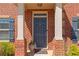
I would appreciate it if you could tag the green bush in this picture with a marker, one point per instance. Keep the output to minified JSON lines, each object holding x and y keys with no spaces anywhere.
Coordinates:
{"x":7,"y":49}
{"x":73,"y":51}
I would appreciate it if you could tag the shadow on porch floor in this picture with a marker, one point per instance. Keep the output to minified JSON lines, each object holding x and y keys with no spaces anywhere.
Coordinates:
{"x":41,"y":52}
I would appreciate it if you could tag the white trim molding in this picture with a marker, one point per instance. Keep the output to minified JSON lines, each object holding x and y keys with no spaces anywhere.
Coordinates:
{"x":58,"y":22}
{"x":4,"y":40}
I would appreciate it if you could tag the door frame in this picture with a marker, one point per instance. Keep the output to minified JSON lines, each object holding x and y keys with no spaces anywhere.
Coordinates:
{"x":39,"y":12}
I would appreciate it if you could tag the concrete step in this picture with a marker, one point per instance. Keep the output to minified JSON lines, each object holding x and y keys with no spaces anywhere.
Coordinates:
{"x":41,"y":55}
{"x":44,"y":52}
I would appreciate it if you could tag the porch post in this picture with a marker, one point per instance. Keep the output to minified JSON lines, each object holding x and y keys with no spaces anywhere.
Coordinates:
{"x":20,"y":22}
{"x":58,"y":22}
{"x":19,"y":42}
{"x":58,"y":40}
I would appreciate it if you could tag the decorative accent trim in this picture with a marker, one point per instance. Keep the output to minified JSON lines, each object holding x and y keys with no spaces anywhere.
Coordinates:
{"x":4,"y":16}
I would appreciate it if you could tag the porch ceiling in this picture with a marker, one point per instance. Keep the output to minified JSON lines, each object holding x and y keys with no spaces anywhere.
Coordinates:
{"x":39,"y":6}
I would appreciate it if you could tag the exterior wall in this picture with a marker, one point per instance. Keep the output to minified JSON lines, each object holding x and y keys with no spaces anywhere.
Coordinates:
{"x":10,"y":10}
{"x":51,"y":27}
{"x":19,"y":48}
{"x":58,"y":48}
{"x":28,"y":26}
{"x":70,"y":11}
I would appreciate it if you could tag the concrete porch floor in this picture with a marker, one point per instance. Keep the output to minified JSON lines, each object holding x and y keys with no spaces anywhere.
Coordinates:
{"x":42,"y":52}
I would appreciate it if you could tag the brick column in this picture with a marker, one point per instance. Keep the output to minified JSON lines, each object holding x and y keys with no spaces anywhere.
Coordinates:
{"x":19,"y":42}
{"x":58,"y":40}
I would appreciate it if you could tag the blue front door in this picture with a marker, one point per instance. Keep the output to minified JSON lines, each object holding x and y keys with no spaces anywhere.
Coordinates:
{"x":40,"y":32}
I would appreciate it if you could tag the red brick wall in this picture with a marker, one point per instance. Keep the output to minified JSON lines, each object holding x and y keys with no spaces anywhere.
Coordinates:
{"x":19,"y":48}
{"x":28,"y":27}
{"x":51,"y":28}
{"x":10,"y":10}
{"x":28,"y":31}
{"x":58,"y":48}
{"x":70,"y":11}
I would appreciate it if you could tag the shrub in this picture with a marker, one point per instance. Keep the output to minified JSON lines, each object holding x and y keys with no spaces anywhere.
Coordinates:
{"x":7,"y":49}
{"x":73,"y":51}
